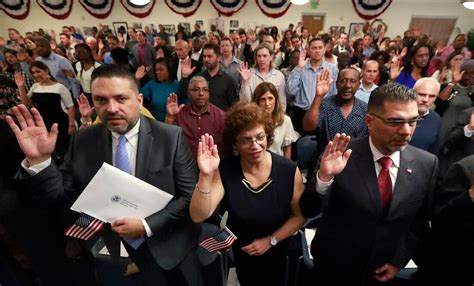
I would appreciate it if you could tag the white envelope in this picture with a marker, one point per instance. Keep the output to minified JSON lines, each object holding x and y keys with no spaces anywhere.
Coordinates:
{"x":113,"y":194}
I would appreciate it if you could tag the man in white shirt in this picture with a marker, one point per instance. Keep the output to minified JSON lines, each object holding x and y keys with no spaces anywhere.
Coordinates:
{"x":374,"y":193}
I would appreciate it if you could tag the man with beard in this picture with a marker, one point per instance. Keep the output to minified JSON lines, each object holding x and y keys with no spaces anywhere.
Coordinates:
{"x":374,"y":193}
{"x":222,"y":89}
{"x":340,"y":113}
{"x":426,"y":136}
{"x":199,"y":117}
{"x":162,"y":245}
{"x":301,"y":83}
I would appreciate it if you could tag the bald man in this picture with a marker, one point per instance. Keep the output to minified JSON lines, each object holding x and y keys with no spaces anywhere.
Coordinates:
{"x":181,"y":56}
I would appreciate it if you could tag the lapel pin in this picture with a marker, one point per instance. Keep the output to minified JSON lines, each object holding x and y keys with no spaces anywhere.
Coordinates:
{"x":409,"y":171}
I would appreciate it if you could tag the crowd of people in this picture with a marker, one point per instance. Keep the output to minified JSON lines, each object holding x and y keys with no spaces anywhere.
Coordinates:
{"x":214,"y":120}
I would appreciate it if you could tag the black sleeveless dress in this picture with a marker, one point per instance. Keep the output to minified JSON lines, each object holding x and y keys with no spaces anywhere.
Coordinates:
{"x":49,"y":106}
{"x":253,"y":216}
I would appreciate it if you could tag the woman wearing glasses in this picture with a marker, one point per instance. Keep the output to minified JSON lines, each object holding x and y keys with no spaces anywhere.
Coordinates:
{"x":260,"y":190}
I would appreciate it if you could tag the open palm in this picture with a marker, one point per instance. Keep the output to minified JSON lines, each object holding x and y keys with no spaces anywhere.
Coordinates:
{"x":34,"y":139}
{"x":324,"y":83}
{"x":335,"y":157}
{"x":244,"y":71}
{"x":208,"y":156}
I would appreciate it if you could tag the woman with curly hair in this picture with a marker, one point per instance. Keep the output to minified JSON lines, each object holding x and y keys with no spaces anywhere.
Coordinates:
{"x":259,"y":189}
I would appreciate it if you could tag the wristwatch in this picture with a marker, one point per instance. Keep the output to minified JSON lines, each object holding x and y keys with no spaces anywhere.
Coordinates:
{"x":273,"y":240}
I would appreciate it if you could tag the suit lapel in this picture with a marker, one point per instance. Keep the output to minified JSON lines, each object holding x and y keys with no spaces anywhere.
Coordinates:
{"x":366,"y":168}
{"x":145,"y":142}
{"x":402,"y":190}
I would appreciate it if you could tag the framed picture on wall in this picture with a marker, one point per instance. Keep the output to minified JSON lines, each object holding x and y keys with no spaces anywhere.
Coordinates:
{"x":335,"y":31}
{"x":170,"y":29}
{"x":234,"y":23}
{"x":186,"y":27}
{"x":120,"y":28}
{"x":355,"y":30}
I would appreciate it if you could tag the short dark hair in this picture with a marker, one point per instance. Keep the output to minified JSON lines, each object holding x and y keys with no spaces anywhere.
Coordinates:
{"x":114,"y":70}
{"x":314,"y":40}
{"x":389,"y":92}
{"x":214,"y":47}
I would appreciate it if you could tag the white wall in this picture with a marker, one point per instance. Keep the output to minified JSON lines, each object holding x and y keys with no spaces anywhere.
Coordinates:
{"x":337,"y":12}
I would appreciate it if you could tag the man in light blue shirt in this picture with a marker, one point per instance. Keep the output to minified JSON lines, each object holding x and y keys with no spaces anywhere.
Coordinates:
{"x":301,"y":84}
{"x":59,"y":67}
{"x":370,"y":71}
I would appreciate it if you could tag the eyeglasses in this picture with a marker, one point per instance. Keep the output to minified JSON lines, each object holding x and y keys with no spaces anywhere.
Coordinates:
{"x":248,"y":141}
{"x":197,"y":89}
{"x":397,"y":123}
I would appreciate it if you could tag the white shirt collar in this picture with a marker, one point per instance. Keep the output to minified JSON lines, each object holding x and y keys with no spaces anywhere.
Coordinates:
{"x":376,"y":154}
{"x":131,"y":135}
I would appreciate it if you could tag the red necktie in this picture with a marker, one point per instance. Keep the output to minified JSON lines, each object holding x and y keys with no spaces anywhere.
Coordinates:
{"x":384,"y":181}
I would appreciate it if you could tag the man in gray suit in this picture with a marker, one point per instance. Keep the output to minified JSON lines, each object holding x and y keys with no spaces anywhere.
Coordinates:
{"x":143,"y":54}
{"x":374,"y":195}
{"x":157,"y":153}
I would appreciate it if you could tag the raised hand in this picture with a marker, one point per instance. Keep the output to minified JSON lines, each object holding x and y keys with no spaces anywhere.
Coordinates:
{"x":443,"y":74}
{"x":160,"y":54}
{"x":335,"y":157}
{"x":302,"y":60}
{"x":207,"y":157}
{"x":19,"y":79}
{"x":172,"y":107}
{"x":457,"y":73}
{"x":244,"y":71}
{"x":101,"y":45}
{"x":395,"y":69}
{"x":2,"y":42}
{"x":140,"y":73}
{"x":186,"y":68}
{"x":324,"y":82}
{"x":34,"y":139}
{"x":85,"y":108}
{"x":69,"y":73}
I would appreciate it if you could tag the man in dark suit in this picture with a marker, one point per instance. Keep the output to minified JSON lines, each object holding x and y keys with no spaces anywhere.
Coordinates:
{"x":143,"y":54}
{"x":374,"y":194}
{"x":158,"y":154}
{"x":181,"y":60}
{"x":448,"y":254}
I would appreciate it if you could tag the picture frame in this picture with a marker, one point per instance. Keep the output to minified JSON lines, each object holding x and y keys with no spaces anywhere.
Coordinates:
{"x":234,"y":24}
{"x":335,"y":31}
{"x":88,"y":31}
{"x":200,"y":23}
{"x":137,"y":26}
{"x":118,"y":25}
{"x":186,"y":26}
{"x":355,"y":30}
{"x":170,"y":29}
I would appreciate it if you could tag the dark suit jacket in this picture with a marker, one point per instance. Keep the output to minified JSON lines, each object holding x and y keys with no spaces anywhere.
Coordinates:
{"x":452,"y":233}
{"x":355,"y":236}
{"x":194,"y":63}
{"x":457,"y":145}
{"x":163,"y":159}
{"x":150,"y":57}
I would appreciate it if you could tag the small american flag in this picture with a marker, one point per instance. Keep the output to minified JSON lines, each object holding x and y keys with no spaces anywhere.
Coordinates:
{"x":84,"y":227}
{"x":221,"y":240}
